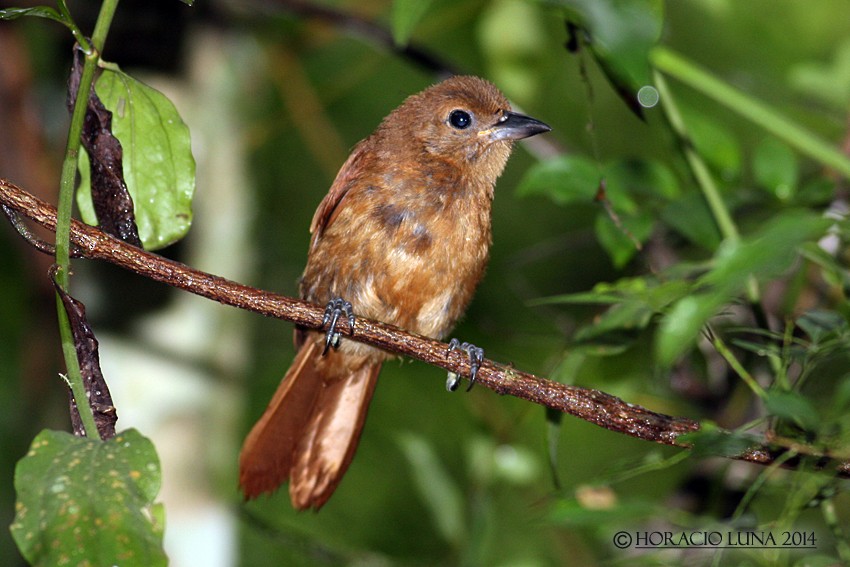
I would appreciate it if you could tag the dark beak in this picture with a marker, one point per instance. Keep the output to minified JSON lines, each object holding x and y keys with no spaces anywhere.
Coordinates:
{"x":515,"y":126}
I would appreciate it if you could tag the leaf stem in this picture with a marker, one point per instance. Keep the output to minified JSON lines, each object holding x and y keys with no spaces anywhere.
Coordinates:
{"x":69,"y":22}
{"x":736,"y":365}
{"x":699,"y":168}
{"x":703,"y":176}
{"x":63,"y":226}
{"x":104,"y":21}
{"x":65,"y":205}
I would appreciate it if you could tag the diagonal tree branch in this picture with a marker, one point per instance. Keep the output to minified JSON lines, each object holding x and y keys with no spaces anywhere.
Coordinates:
{"x":591,"y":405}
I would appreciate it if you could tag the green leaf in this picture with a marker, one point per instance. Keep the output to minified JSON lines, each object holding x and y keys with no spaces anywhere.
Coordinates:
{"x":793,"y":407}
{"x":581,"y":298}
{"x":818,"y":191}
{"x":627,"y":316}
{"x":572,"y":513}
{"x":158,"y":165}
{"x":711,"y":440}
{"x":817,"y":560}
{"x":841,"y":397}
{"x":640,"y":178}
{"x":438,"y":492}
{"x":832,"y":271}
{"x":633,"y":304}
{"x":36,"y":11}
{"x":615,"y":330}
{"x":406,"y":14}
{"x":490,"y":461}
{"x":622,"y":242}
{"x":776,"y":168}
{"x":657,"y":295}
{"x":829,"y":83}
{"x":714,"y":142}
{"x":89,"y":502}
{"x":565,"y":180}
{"x":690,"y":217}
{"x":765,"y":255}
{"x":821,"y":325}
{"x":679,"y":328}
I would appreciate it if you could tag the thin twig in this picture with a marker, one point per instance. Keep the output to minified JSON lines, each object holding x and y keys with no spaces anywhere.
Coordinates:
{"x":32,"y":238}
{"x":591,"y":405}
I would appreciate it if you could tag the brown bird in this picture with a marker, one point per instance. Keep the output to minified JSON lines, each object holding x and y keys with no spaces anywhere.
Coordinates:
{"x":404,"y":236}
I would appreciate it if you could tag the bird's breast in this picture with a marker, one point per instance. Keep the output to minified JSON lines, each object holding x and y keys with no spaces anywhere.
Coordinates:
{"x":408,"y":257}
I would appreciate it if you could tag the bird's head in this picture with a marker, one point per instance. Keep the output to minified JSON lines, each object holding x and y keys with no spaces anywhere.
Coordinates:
{"x":464,"y":121}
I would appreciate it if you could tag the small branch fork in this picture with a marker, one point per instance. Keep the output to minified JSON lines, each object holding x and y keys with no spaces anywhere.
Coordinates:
{"x":591,"y":405}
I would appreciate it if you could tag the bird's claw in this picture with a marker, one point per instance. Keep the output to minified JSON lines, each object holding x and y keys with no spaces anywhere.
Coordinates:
{"x":476,"y":357}
{"x":336,"y":307}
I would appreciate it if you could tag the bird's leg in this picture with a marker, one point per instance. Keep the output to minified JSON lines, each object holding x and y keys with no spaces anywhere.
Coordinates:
{"x":335,"y":308}
{"x":476,"y":357}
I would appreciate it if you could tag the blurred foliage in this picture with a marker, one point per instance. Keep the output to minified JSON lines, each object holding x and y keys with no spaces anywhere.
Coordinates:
{"x":610,"y":269}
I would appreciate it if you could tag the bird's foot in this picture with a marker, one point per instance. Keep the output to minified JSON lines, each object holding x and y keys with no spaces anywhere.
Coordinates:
{"x":476,"y":357}
{"x":335,"y":309}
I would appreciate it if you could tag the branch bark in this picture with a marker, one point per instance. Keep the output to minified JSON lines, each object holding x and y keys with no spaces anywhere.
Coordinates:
{"x":591,"y":405}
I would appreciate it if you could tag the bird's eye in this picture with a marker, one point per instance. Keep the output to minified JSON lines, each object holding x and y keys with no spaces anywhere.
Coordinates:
{"x":460,"y":119}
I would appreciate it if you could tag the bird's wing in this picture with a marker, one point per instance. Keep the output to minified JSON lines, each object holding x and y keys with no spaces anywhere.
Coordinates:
{"x":350,"y":171}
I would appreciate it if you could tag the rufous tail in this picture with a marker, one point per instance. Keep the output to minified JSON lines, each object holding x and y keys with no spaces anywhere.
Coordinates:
{"x":310,"y":430}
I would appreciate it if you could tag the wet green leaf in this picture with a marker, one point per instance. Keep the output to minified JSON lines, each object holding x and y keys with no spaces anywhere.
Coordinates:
{"x":159,"y":169}
{"x":89,"y":502}
{"x":36,"y":11}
